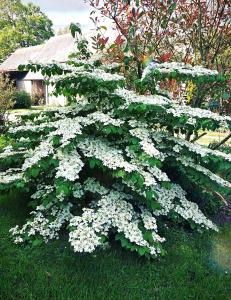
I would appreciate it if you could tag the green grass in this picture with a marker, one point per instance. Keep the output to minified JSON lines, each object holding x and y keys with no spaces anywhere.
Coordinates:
{"x":23,"y":111}
{"x":192,"y":268}
{"x":213,"y":137}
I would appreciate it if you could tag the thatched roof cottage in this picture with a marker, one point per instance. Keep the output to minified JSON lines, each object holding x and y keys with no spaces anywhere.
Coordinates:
{"x":55,"y":49}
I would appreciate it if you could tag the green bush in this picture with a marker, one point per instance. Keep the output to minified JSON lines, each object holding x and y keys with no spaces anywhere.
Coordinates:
{"x":23,"y":100}
{"x":3,"y":142}
{"x":113,"y":163}
{"x":7,"y":92}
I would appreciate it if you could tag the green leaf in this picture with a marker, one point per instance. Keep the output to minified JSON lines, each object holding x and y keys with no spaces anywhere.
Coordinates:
{"x":37,"y":242}
{"x":142,"y":251}
{"x":226,"y":96}
{"x":34,"y":172}
{"x":149,"y":195}
{"x":75,"y":28}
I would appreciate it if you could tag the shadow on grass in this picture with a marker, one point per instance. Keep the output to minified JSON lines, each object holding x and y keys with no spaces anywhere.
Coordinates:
{"x":53,"y":271}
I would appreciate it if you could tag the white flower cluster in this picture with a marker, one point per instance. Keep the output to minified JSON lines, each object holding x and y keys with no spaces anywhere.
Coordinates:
{"x":143,"y":165}
{"x":182,"y":68}
{"x":75,"y":62}
{"x":42,"y":191}
{"x":131,"y":97}
{"x":175,"y":109}
{"x":149,"y":179}
{"x":146,"y":143}
{"x":198,"y":149}
{"x":133,"y":123}
{"x":111,"y":211}
{"x":113,"y":158}
{"x":70,"y":164}
{"x":189,"y":163}
{"x":190,"y":210}
{"x":160,"y":175}
{"x":40,"y":118}
{"x":43,"y":150}
{"x":93,"y":186}
{"x":10,"y":176}
{"x":9,"y":151}
{"x":148,"y":219}
{"x":42,"y":225}
{"x":93,"y":74}
{"x":77,"y":190}
{"x":105,"y":119}
{"x":58,"y":121}
{"x":29,"y":126}
{"x":67,"y":128}
{"x":100,"y":74}
{"x":24,"y":140}
{"x":197,"y":113}
{"x":73,"y":109}
{"x":109,"y":67}
{"x":175,"y":199}
{"x":109,"y":155}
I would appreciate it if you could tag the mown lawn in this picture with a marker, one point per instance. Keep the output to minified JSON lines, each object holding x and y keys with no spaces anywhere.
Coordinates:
{"x":196,"y":267}
{"x":214,"y":137}
{"x":21,"y":111}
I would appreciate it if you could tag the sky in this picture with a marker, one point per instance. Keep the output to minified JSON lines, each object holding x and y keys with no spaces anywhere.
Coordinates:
{"x":63,"y":12}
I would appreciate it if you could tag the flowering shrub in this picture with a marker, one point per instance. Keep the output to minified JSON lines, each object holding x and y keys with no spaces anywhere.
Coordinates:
{"x":199,"y":84}
{"x":111,"y":164}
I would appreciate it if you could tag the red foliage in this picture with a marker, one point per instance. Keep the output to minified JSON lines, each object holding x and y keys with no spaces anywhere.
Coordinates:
{"x":195,"y":31}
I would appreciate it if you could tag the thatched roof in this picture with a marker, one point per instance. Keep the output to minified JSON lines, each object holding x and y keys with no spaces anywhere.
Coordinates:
{"x":55,"y":49}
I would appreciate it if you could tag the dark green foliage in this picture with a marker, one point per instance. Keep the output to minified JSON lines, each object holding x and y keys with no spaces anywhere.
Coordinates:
{"x":3,"y":142}
{"x":175,"y":74}
{"x":22,"y":100}
{"x":7,"y":97}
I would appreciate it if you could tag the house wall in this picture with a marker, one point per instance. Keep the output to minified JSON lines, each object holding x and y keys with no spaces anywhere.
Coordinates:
{"x":24,"y":85}
{"x":51,"y":100}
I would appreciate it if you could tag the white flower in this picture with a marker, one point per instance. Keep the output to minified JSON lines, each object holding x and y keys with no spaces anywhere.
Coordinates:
{"x":111,"y":211}
{"x":70,"y":164}
{"x":181,"y":68}
{"x":10,"y":176}
{"x":109,"y":155}
{"x":43,"y":226}
{"x":130,"y":97}
{"x":68,"y":129}
{"x":43,"y":150}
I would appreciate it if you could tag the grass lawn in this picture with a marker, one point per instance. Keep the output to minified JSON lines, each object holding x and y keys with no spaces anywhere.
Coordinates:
{"x":28,"y":110}
{"x":212,"y":137}
{"x":196,"y":267}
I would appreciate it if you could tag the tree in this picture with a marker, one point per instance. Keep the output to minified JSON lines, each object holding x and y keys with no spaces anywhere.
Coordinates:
{"x":22,"y":26}
{"x":142,"y":26}
{"x":192,"y":31}
{"x":113,"y":163}
{"x":7,"y":97}
{"x":203,"y":30}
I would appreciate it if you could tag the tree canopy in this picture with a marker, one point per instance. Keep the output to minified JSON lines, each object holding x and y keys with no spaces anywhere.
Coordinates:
{"x":192,"y":31}
{"x":22,"y":26}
